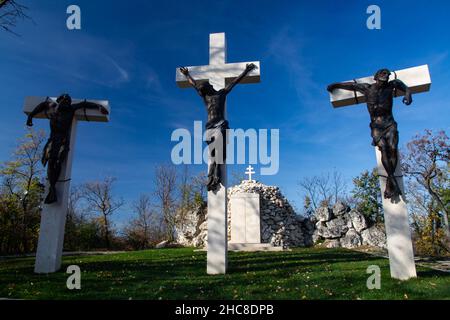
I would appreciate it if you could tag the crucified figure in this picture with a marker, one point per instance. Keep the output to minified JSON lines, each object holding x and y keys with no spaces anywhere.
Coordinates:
{"x":217,"y":124}
{"x":379,"y":97}
{"x":57,"y":147}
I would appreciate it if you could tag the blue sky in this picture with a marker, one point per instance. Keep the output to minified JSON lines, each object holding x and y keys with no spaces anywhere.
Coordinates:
{"x":127,"y":53}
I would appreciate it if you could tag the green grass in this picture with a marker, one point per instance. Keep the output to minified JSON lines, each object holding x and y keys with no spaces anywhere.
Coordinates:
{"x":303,"y":273}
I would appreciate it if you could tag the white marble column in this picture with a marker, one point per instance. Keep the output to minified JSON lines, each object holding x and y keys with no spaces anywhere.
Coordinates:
{"x":398,"y":232}
{"x":217,"y":254}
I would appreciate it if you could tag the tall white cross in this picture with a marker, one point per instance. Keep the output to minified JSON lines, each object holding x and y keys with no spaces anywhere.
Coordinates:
{"x":219,"y":73}
{"x":53,"y":216}
{"x":398,"y":233}
{"x":249,"y":172}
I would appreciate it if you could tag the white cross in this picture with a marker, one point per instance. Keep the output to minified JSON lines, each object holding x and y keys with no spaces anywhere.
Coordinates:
{"x":219,"y":73}
{"x":53,"y":216}
{"x":398,"y":233}
{"x":249,"y":172}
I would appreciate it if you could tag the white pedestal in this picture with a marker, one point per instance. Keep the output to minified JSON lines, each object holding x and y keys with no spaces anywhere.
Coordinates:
{"x":53,"y":218}
{"x":398,"y":232}
{"x":217,"y":228}
{"x":245,"y":218}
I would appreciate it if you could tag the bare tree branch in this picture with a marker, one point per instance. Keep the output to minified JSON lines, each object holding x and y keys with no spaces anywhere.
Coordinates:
{"x":10,"y":13}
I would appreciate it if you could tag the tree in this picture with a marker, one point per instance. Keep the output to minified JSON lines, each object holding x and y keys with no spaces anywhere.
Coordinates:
{"x":10,"y":12}
{"x":21,"y":194}
{"x":100,"y":199}
{"x":75,"y":219}
{"x":165,"y":182}
{"x":307,"y":207}
{"x":199,"y":187}
{"x":367,"y":194}
{"x":325,"y":189}
{"x":192,"y":190}
{"x":143,"y":231}
{"x":146,"y":229}
{"x":427,"y":161}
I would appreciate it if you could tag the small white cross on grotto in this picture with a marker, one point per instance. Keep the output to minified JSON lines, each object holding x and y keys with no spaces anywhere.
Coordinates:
{"x":249,"y":172}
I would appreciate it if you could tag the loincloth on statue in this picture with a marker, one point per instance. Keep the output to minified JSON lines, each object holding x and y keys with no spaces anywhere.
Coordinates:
{"x":385,"y":130}
{"x":216,"y":129}
{"x":56,"y":148}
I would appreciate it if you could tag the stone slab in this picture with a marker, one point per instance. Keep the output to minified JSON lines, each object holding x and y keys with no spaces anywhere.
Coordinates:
{"x":245,"y":218}
{"x":253,"y":247}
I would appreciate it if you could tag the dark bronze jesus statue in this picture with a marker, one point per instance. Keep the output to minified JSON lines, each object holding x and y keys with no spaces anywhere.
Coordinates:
{"x":57,"y":147}
{"x":379,"y":97}
{"x":217,"y":124}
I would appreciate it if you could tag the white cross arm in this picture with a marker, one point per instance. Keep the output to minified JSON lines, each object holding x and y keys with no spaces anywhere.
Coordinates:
{"x":228,"y":71}
{"x":82,"y":115}
{"x":417,"y":79}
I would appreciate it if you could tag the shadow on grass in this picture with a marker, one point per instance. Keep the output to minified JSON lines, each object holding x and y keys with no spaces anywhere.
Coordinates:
{"x":181,"y":274}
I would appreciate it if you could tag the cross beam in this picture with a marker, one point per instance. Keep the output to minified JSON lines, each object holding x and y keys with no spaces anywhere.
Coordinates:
{"x":53,"y":216}
{"x":417,"y":79}
{"x":81,"y":115}
{"x":218,"y":73}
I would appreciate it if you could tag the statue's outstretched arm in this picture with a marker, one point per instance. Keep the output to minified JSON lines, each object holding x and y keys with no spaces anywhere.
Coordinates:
{"x":90,"y":105}
{"x":186,"y":73}
{"x":231,"y":85}
{"x":351,"y":86}
{"x":38,"y":109}
{"x":399,"y":84}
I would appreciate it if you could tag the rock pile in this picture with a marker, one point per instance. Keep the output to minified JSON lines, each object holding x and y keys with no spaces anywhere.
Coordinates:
{"x":281,"y":226}
{"x":341,"y":227}
{"x":192,"y":229}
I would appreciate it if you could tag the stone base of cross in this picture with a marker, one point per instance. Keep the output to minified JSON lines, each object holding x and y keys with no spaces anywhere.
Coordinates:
{"x":398,"y":233}
{"x":218,"y":73}
{"x":53,"y":216}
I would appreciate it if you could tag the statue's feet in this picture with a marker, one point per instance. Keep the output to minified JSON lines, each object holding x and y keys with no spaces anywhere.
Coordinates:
{"x":388,"y":192}
{"x":392,"y":189}
{"x":51,"y":196}
{"x":213,"y":183}
{"x":398,"y":191}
